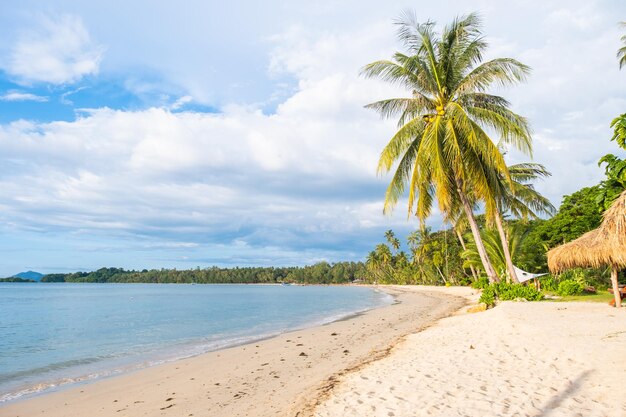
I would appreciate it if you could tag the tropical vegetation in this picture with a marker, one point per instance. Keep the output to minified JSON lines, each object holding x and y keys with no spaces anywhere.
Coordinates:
{"x":320,"y":273}
{"x":442,"y":150}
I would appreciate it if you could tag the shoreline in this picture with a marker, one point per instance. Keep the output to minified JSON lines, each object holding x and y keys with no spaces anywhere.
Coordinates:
{"x":324,"y":351}
{"x":118,"y":366}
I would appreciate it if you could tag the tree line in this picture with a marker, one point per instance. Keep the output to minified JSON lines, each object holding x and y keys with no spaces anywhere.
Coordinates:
{"x":319,"y":273}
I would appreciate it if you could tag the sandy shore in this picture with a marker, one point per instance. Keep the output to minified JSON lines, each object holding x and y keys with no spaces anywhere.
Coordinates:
{"x":519,"y":359}
{"x":281,"y":376}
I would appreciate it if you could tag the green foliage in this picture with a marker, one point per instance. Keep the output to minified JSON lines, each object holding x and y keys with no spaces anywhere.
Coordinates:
{"x":615,"y":170}
{"x":481,"y":283}
{"x":488,"y":296}
{"x":432,"y":259}
{"x":320,"y":273}
{"x":549,"y":283}
{"x":16,"y":279}
{"x":504,"y":291}
{"x":507,"y":291}
{"x":442,"y":150}
{"x":619,"y":130}
{"x":570,"y":287}
{"x":493,"y":246}
{"x":522,"y":200}
{"x":578,"y":214}
{"x":585,"y":277}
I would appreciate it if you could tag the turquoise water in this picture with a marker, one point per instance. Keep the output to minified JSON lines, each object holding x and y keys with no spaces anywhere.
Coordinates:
{"x":55,"y":334}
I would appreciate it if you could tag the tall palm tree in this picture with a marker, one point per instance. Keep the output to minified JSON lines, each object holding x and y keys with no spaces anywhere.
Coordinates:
{"x":441,"y":146}
{"x":520,"y":199}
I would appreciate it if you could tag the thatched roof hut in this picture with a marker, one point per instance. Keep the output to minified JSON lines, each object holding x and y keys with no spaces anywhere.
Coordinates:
{"x":604,"y":246}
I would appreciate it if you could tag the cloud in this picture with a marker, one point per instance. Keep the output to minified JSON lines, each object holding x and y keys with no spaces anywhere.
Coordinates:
{"x":180,"y":102}
{"x":291,"y":187}
{"x":58,"y":50}
{"x":244,"y":186}
{"x":21,"y":96}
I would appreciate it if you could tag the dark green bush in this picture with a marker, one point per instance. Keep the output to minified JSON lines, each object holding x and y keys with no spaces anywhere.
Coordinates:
{"x":570,"y":287}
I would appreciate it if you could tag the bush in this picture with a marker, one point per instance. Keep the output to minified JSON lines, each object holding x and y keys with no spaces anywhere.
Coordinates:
{"x":515,"y":291}
{"x":504,"y":291}
{"x":570,"y":287}
{"x":481,"y":283}
{"x":488,"y":296}
{"x":549,"y":283}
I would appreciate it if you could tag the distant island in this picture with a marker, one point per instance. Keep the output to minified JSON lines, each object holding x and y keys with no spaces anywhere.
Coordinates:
{"x":28,"y":276}
{"x":319,"y":273}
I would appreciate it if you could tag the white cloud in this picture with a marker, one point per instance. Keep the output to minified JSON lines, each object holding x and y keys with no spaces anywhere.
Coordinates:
{"x":21,"y":96}
{"x":299,"y":184}
{"x":58,"y":50}
{"x":303,"y":174}
{"x":180,"y":102}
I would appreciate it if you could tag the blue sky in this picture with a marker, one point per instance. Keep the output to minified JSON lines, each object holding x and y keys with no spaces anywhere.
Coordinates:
{"x":149,"y":134}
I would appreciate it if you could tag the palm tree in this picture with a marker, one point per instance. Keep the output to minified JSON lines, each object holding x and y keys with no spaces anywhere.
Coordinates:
{"x":494,"y":247}
{"x":459,"y":225}
{"x":621,"y":52}
{"x":441,"y":146}
{"x":520,"y":199}
{"x":392,"y":239}
{"x":418,"y":241}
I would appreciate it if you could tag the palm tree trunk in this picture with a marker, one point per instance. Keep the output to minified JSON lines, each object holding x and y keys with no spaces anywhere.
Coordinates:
{"x":616,"y":294}
{"x":462,"y":242}
{"x":443,"y":277}
{"x":484,"y":258}
{"x":505,"y":248}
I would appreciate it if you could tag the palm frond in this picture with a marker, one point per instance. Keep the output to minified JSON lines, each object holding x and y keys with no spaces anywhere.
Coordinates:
{"x":403,"y":108}
{"x":400,"y":142}
{"x":501,"y":71}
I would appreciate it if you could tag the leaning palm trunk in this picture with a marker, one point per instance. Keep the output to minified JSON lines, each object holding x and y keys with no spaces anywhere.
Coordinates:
{"x":505,"y":248}
{"x":462,"y":242}
{"x":484,"y":258}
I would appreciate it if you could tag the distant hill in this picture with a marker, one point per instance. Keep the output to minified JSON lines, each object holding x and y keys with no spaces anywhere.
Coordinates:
{"x":35,"y":276}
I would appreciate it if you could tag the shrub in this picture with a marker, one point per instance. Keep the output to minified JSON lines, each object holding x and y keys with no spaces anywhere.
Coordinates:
{"x":506,"y":291}
{"x":570,"y":287}
{"x":515,"y":291}
{"x":488,"y":296}
{"x":549,"y":283}
{"x":481,"y":283}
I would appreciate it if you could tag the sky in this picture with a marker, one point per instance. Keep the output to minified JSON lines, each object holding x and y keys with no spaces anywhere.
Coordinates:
{"x":159,"y":134}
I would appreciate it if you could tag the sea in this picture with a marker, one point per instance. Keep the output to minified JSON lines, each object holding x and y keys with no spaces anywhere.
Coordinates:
{"x":56,"y":334}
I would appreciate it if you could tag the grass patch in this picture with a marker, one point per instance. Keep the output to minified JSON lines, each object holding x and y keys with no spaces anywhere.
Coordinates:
{"x":600,"y":297}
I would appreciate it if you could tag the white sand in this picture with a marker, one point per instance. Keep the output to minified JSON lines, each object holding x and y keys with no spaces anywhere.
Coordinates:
{"x":519,"y":359}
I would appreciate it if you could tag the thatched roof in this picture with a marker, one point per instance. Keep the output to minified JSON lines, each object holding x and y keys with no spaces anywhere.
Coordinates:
{"x":604,"y":246}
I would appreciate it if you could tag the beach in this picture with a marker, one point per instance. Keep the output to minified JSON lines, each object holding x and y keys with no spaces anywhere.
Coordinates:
{"x":423,"y":356}
{"x":274,"y":377}
{"x":518,"y":359}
